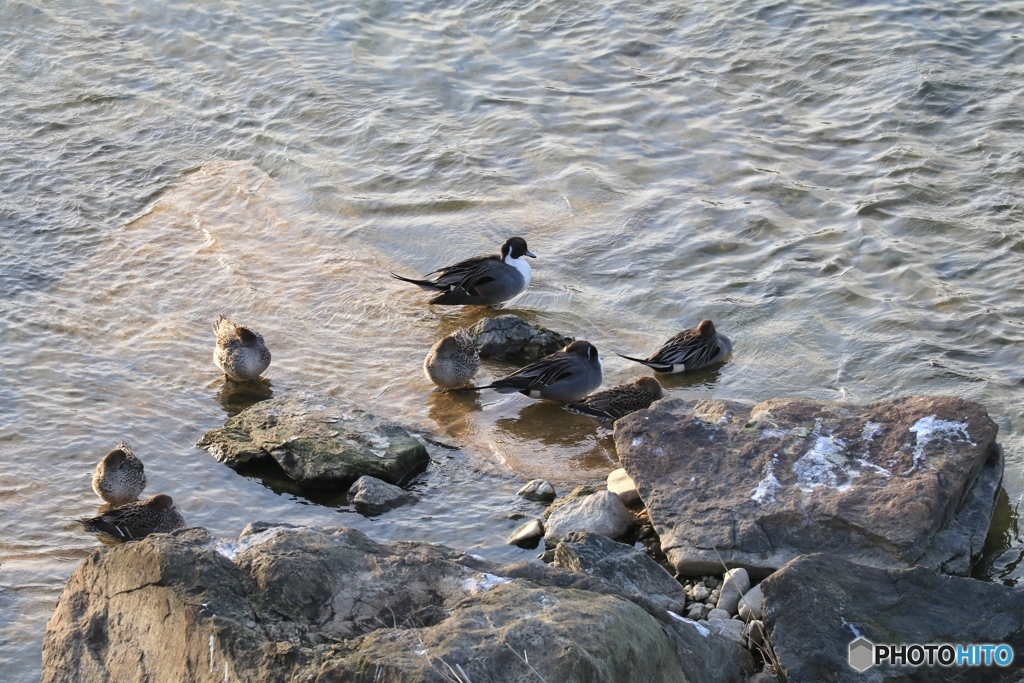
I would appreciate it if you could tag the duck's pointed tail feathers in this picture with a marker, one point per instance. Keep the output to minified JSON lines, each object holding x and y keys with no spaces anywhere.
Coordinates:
{"x":424,"y":284}
{"x":657,"y":367}
{"x":584,"y":409}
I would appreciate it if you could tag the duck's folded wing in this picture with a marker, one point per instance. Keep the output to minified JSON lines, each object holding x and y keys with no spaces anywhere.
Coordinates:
{"x":468,"y":275}
{"x":601,"y":405}
{"x":543,"y":373}
{"x":686,"y":349}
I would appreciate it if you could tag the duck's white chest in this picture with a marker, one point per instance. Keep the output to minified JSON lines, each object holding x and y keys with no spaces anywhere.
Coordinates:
{"x":520,"y":265}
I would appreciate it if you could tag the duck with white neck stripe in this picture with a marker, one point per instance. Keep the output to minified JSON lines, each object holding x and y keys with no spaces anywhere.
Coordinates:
{"x":481,"y":281}
{"x":564,"y":377}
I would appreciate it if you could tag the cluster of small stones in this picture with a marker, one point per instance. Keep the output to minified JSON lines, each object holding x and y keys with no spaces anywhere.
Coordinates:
{"x":726,"y":604}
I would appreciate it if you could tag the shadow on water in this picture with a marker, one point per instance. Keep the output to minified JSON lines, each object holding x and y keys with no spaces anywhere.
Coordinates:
{"x":1002,"y":558}
{"x":548,"y":424}
{"x":544,"y":433}
{"x":270,"y":475}
{"x":234,"y":397}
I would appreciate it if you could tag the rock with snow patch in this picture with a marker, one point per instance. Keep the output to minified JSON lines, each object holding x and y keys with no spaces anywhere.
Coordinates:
{"x":891,"y":484}
{"x":319,"y":441}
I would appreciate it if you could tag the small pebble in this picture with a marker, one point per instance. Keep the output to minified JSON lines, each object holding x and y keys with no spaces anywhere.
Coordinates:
{"x":697,"y":611}
{"x":622,"y":485}
{"x":701,"y":592}
{"x":755,"y":634}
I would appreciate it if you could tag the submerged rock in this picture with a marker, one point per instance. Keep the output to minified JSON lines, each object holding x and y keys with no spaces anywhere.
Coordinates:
{"x":509,"y":336}
{"x":531,"y":531}
{"x":374,"y":496}
{"x":538,"y":489}
{"x":295,"y":604}
{"x":891,"y":484}
{"x":318,"y":441}
{"x":817,"y":605}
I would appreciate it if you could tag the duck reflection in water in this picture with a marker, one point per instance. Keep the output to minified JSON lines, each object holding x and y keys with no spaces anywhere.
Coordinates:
{"x":452,"y":411}
{"x":565,"y":441}
{"x":234,"y":397}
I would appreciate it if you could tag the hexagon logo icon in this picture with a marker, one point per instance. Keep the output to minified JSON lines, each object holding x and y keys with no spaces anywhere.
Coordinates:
{"x":862,"y":654}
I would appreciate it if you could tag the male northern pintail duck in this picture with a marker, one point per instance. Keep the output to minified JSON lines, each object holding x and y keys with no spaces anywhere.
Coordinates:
{"x":240,"y":352}
{"x":483,"y":280}
{"x":564,"y":376}
{"x":453,"y":361}
{"x":611,"y":404}
{"x":689,"y":350}
{"x":119,"y":477}
{"x":158,"y":515}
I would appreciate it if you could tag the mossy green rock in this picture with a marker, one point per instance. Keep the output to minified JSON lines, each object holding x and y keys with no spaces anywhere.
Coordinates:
{"x":319,"y":441}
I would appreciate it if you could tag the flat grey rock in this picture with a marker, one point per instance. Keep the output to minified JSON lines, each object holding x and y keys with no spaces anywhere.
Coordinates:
{"x":816,"y":605}
{"x":319,"y":441}
{"x":891,"y":484}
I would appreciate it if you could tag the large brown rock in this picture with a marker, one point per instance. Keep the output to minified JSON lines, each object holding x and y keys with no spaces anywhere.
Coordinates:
{"x":319,"y":441}
{"x":892,"y":484}
{"x":818,"y":604}
{"x":300,"y":604}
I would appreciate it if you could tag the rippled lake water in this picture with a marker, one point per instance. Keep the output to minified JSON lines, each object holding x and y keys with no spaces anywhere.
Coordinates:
{"x":840,"y":190}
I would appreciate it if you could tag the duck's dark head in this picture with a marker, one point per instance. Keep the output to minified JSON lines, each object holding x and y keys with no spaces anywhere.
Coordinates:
{"x":516,"y":248}
{"x":446,"y":347}
{"x":706,"y":329}
{"x":114,"y":459}
{"x":246,"y":336}
{"x":584,"y":349}
{"x":161,"y":501}
{"x":651,"y":386}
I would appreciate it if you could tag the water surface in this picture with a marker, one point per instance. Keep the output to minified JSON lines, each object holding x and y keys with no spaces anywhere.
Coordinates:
{"x":839,"y":189}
